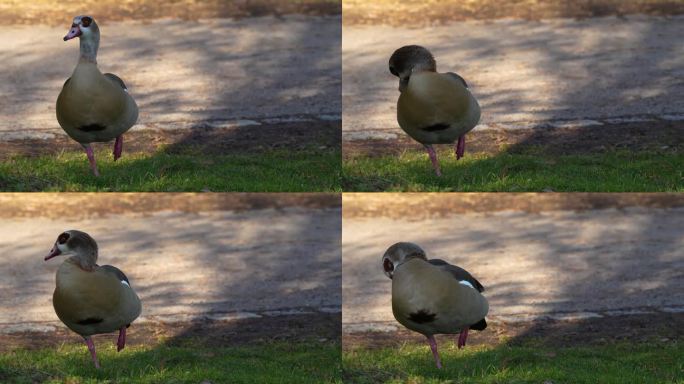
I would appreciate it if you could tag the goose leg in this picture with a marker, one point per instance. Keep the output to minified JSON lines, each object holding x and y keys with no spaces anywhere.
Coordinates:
{"x":118,"y":147}
{"x":433,"y":158}
{"x":91,"y":348}
{"x":460,"y":147}
{"x":121,"y":341}
{"x":462,"y":338}
{"x":433,"y":346}
{"x":91,"y":158}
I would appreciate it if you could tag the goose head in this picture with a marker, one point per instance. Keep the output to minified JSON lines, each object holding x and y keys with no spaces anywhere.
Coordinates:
{"x":79,"y":245}
{"x":398,"y":254}
{"x":408,"y":60}
{"x":86,"y":29}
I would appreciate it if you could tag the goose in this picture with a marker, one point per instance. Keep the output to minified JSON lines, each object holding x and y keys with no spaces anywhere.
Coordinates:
{"x":91,"y":299}
{"x":94,"y":107}
{"x":432,"y":296}
{"x":433,"y":108}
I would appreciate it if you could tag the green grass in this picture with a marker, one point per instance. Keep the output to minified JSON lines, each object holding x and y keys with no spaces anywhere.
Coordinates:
{"x":270,"y":363}
{"x":620,"y":364}
{"x":619,"y":171}
{"x":274,"y":171}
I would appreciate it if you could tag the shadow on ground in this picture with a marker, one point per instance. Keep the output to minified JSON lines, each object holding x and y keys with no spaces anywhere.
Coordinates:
{"x":654,"y":136}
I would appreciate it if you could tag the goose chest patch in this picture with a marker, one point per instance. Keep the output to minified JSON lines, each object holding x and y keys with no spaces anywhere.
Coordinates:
{"x":90,"y":320}
{"x":436,"y":127}
{"x":91,"y":128}
{"x":423,"y":316}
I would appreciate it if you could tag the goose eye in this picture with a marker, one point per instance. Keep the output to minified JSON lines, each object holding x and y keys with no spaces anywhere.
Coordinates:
{"x":86,"y":21}
{"x":387,"y":265}
{"x":63,"y":238}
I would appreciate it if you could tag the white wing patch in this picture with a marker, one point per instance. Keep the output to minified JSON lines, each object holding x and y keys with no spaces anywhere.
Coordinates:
{"x":125,"y":283}
{"x":466,"y":283}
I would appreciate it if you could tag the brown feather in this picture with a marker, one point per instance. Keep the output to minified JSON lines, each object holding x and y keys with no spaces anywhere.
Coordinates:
{"x":91,"y":99}
{"x":436,"y":100}
{"x":99,"y":294}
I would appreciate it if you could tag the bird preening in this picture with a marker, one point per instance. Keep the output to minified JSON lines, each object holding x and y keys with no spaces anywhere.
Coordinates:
{"x":433,"y":108}
{"x":94,"y":107}
{"x":91,"y":299}
{"x":431,"y":296}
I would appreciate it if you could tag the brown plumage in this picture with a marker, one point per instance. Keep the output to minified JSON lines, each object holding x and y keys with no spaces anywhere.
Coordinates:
{"x":433,"y":108}
{"x":91,"y":299}
{"x":432,"y":296}
{"x":94,"y":107}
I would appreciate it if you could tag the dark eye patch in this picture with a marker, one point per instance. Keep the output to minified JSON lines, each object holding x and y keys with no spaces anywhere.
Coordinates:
{"x":387,"y":265}
{"x":63,"y":238}
{"x":86,"y":21}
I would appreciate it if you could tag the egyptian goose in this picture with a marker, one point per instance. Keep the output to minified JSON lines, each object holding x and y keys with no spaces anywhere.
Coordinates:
{"x":433,"y":108}
{"x":91,"y":299}
{"x":94,"y":107}
{"x":432,"y":296}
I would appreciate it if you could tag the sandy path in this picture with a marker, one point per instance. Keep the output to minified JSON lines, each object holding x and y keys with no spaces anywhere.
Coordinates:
{"x":186,"y":264}
{"x":523,"y":72}
{"x":566,"y":264}
{"x":239,"y":72}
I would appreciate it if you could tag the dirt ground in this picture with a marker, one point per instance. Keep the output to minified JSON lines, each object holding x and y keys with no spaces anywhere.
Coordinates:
{"x":54,"y":12}
{"x":319,"y":135}
{"x":658,"y":136}
{"x":73,"y":206}
{"x":290,"y":328}
{"x":664,"y":327}
{"x":419,"y":14}
{"x":426,"y":206}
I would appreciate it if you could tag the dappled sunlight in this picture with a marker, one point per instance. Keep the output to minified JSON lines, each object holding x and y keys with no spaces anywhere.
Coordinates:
{"x":191,"y":263}
{"x":211,"y":69}
{"x":530,"y":263}
{"x":523,"y":71}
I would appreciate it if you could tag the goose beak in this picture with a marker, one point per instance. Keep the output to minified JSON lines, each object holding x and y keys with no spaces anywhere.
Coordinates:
{"x":75,"y":31}
{"x":54,"y":252}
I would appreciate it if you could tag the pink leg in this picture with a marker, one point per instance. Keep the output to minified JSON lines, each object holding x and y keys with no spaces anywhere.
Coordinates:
{"x":462,"y":338}
{"x":433,"y":158}
{"x":433,"y":346}
{"x":121,"y":342}
{"x":460,"y":147}
{"x":118,"y":147}
{"x":91,"y":348}
{"x":91,"y":159}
